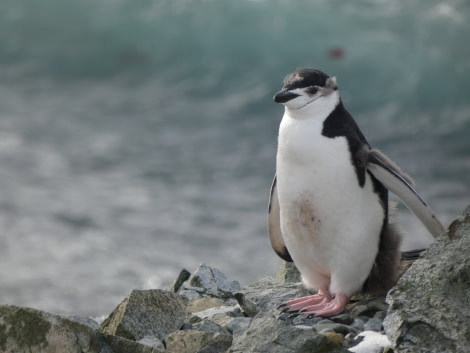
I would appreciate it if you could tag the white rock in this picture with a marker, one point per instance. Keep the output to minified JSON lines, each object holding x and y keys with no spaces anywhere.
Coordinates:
{"x":371,"y":343}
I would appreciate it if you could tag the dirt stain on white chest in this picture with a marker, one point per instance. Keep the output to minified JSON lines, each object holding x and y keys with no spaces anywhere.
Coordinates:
{"x":301,"y":219}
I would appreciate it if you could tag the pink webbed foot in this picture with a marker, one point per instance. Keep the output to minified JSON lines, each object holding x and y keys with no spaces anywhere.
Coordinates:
{"x":296,"y":305}
{"x":317,"y":305}
{"x":335,"y":306}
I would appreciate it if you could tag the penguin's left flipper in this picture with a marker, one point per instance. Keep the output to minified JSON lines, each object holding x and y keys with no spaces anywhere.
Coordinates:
{"x":391,"y":176}
{"x":274,"y":225}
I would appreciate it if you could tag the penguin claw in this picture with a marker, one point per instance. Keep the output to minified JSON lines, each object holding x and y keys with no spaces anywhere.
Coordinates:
{"x":282,"y":305}
{"x":293,"y":315}
{"x":285,"y":309}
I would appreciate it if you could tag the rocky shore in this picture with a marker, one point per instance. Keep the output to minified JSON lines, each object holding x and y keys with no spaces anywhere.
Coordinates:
{"x":205,"y":312}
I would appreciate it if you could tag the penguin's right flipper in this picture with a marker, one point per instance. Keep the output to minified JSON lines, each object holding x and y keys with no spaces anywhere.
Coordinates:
{"x":274,"y":225}
{"x":390,"y":175}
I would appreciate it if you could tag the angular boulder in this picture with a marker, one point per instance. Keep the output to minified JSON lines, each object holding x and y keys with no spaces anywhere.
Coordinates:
{"x":430,"y":305}
{"x":209,"y":281}
{"x":146,"y":313}
{"x":25,"y":330}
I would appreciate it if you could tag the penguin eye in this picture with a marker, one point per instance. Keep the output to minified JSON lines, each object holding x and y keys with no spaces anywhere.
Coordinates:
{"x":312,"y":90}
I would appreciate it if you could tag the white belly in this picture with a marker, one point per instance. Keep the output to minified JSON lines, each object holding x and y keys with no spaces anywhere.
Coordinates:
{"x":331,"y":225}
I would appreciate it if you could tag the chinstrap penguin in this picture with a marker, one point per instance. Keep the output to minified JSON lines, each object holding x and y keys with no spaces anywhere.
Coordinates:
{"x":329,"y":209}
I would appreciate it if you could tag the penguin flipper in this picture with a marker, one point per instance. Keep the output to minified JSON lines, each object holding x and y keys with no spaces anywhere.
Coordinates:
{"x":274,"y":225}
{"x":390,"y":175}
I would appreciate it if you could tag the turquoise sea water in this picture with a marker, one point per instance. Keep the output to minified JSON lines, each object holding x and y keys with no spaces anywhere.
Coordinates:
{"x":139,"y":137}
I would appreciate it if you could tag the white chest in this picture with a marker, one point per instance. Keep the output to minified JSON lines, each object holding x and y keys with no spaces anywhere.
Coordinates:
{"x":309,"y":161}
{"x":324,"y":212}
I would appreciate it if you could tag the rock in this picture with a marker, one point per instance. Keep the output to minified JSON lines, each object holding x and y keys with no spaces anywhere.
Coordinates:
{"x":249,"y":308}
{"x":182,"y":277}
{"x":85,"y":321}
{"x":374,"y":324}
{"x":148,"y":313}
{"x":24,"y":329}
{"x":31,"y":330}
{"x":201,"y":304}
{"x":359,"y":323}
{"x":194,"y":341}
{"x":288,"y":273}
{"x":276,"y":336}
{"x":209,"y":281}
{"x":116,"y":344}
{"x":208,"y":326}
{"x":335,"y":337}
{"x":238,"y":325}
{"x":344,"y":318}
{"x":267,"y":294}
{"x":368,"y":307}
{"x":152,"y":341}
{"x":372,"y":342}
{"x":229,"y":311}
{"x":430,"y":306}
{"x":302,"y":320}
{"x":334,"y":327}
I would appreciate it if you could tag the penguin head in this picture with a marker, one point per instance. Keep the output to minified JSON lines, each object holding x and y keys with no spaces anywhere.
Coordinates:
{"x":308,"y":91}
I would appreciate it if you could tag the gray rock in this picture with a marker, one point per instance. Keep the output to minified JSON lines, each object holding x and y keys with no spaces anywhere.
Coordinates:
{"x":276,"y":336}
{"x":430,"y":305}
{"x":333,"y":327}
{"x":344,"y":318}
{"x":182,"y":277}
{"x":368,"y":307}
{"x":209,"y":326}
{"x":374,"y":324}
{"x":302,"y":320}
{"x":238,"y":325}
{"x":209,"y":281}
{"x":84,"y":320}
{"x":143,"y":313}
{"x":191,"y":292}
{"x":249,"y":308}
{"x":216,"y":347}
{"x":24,"y":329}
{"x":267,"y":294}
{"x":152,"y":341}
{"x":31,"y":330}
{"x":288,"y":273}
{"x":116,"y":344}
{"x":324,"y":321}
{"x":194,"y":341}
{"x":358,"y":323}
{"x":232,"y":311}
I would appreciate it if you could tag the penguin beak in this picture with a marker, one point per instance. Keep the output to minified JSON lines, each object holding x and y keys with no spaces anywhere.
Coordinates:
{"x":284,"y":96}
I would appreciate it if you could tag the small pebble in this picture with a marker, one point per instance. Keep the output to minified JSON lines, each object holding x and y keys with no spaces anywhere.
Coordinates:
{"x":325,"y":322}
{"x":358,"y":324}
{"x":344,"y":318}
{"x":339,"y":328}
{"x":302,"y":320}
{"x":186,"y":326}
{"x":335,"y":337}
{"x":374,"y":324}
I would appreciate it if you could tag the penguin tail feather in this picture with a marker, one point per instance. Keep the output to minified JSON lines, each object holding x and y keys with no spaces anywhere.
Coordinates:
{"x":385,"y":271}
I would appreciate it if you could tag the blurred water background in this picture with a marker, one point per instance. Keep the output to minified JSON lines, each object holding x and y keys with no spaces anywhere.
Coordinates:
{"x":139,"y":137}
